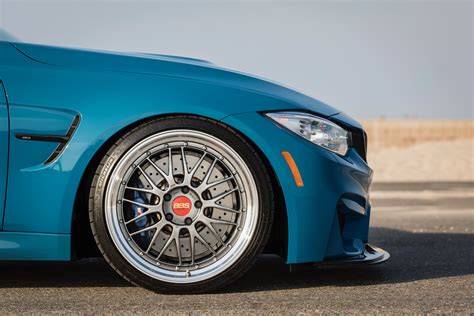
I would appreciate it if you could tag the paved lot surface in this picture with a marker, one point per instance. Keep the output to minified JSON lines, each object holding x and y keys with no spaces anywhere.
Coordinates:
{"x":428,"y":229}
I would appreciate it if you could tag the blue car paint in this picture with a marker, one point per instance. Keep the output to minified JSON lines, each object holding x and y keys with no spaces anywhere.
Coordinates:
{"x":174,"y":68}
{"x":34,"y":246}
{"x":110,"y":91}
{"x":311,"y":209}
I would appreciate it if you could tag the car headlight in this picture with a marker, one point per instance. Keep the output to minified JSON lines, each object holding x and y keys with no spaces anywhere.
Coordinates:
{"x":319,"y":131}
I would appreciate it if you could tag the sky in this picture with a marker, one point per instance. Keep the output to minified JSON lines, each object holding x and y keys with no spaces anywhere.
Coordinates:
{"x":393,"y":59}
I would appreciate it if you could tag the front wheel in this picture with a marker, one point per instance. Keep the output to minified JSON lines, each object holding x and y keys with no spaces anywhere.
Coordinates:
{"x":181,"y":204}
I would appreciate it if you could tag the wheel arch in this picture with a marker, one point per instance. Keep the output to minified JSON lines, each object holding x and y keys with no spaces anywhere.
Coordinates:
{"x":82,"y":241}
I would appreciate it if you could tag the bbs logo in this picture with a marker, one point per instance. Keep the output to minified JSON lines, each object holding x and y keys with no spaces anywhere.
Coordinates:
{"x":181,"y":205}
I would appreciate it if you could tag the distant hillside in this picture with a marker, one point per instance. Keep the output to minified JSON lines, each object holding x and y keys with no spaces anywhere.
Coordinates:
{"x":387,"y":133}
{"x":421,"y":150}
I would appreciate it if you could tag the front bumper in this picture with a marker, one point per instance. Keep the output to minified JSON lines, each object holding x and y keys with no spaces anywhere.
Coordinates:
{"x":327,"y":218}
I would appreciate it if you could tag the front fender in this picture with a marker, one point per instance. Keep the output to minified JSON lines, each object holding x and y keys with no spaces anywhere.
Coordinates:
{"x":309,"y":224}
{"x":41,"y":197}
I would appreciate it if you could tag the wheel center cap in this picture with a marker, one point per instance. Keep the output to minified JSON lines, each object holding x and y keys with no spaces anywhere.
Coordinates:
{"x":181,"y":205}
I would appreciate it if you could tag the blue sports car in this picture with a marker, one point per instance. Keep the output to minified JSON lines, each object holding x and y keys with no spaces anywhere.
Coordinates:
{"x":178,"y":172}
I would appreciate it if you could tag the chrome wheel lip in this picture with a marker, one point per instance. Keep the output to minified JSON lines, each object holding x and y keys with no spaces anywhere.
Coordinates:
{"x":247,"y":230}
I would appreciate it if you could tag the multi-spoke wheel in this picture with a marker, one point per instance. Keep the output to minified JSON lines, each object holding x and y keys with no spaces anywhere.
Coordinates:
{"x":181,"y":204}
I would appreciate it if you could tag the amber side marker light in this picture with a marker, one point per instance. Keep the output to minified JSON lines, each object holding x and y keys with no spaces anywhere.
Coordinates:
{"x":293,"y":167}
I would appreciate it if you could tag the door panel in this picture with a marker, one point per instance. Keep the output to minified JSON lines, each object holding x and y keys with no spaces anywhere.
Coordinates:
{"x":4,"y":149}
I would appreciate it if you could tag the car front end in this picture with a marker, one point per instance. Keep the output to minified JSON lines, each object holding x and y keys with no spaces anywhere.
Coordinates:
{"x":321,"y":166}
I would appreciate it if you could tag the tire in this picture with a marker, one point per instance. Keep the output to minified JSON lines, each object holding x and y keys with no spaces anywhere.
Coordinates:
{"x":181,"y":232}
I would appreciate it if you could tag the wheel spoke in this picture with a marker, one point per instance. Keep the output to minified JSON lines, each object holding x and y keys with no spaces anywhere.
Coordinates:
{"x":220,"y":196}
{"x":148,"y":179}
{"x":146,"y":213}
{"x":167,"y":244}
{"x":213,"y":231}
{"x":192,"y":246}
{"x":170,"y":164}
{"x":148,"y":206}
{"x":155,"y":235}
{"x":144,"y":190}
{"x":169,"y":179}
{"x":145,"y":229}
{"x":203,"y":187}
{"x":220,"y":221}
{"x":188,"y":176}
{"x":184,"y":162}
{"x":202,"y":241}
{"x":178,"y":249}
{"x":224,"y":208}
{"x":208,"y":174}
{"x":159,"y":226}
{"x":217,"y":182}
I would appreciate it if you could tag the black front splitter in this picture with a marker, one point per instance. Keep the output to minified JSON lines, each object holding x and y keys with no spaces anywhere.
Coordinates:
{"x":371,"y":255}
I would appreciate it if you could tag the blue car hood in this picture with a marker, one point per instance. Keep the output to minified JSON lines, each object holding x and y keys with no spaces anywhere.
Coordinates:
{"x":171,"y":66}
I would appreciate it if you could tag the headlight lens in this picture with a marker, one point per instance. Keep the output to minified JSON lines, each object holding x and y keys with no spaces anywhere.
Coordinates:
{"x":320,"y":131}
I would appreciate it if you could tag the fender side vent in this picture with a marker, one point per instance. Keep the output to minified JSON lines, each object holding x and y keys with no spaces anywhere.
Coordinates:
{"x":63,"y":140}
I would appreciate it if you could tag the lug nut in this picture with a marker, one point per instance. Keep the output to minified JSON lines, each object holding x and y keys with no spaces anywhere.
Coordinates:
{"x":169,"y":216}
{"x":167,"y":197}
{"x":198,"y":204}
{"x":188,"y":221}
{"x":185,"y":190}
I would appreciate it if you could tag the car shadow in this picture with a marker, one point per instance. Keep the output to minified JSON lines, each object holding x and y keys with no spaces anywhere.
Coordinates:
{"x":414,"y":256}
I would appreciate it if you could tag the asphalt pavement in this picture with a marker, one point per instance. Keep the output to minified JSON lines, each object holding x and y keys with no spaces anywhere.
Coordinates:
{"x":427,"y":228}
